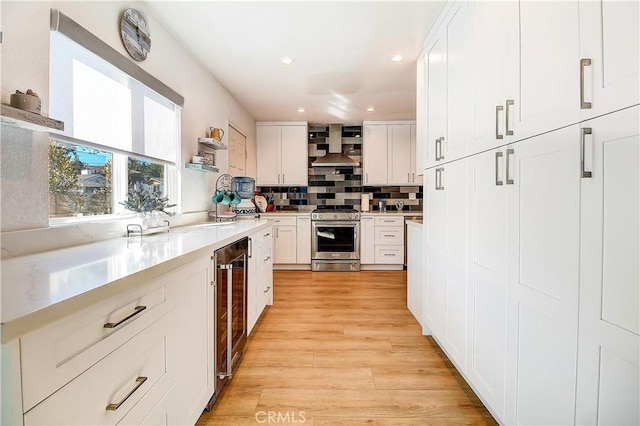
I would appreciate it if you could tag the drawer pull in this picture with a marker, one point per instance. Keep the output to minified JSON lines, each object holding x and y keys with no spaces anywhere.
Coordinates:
{"x":137,"y":310}
{"x":266,"y":235}
{"x":139,"y":382}
{"x":266,"y":259}
{"x":389,"y":254}
{"x":390,"y":236}
{"x":267,"y":289}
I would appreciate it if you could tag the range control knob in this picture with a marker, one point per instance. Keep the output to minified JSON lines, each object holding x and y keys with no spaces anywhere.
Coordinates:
{"x":335,"y":216}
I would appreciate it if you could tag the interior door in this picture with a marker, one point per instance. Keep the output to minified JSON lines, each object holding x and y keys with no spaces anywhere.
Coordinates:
{"x":237,"y":152}
{"x":608,"y":357}
{"x":543,"y":255}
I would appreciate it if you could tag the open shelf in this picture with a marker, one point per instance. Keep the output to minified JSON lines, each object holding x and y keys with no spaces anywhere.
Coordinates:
{"x":212,"y":143}
{"x":28,"y":120}
{"x":201,"y":167}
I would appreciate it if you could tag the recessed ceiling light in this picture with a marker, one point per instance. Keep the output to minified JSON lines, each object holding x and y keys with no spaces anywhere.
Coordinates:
{"x":370,"y":109}
{"x":301,"y":109}
{"x":286,"y":60}
{"x":396,"y":58}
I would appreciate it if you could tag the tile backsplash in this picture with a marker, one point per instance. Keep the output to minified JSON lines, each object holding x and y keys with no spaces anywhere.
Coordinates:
{"x":339,"y":185}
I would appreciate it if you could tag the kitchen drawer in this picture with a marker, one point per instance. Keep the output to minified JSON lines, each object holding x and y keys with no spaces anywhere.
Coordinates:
{"x":53,"y":355}
{"x":284,"y":221}
{"x":389,"y":236}
{"x":383,"y":220}
{"x":389,"y":255}
{"x":117,"y":379}
{"x":260,"y":238}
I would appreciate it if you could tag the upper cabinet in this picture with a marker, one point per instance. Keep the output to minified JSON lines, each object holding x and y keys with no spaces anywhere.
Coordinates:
{"x":494,"y":73}
{"x":445,"y":79}
{"x":389,"y":153}
{"x":609,"y":56}
{"x":282,"y":154}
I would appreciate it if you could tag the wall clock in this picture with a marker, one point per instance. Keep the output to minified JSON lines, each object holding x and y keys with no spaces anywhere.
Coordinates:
{"x":135,"y":35}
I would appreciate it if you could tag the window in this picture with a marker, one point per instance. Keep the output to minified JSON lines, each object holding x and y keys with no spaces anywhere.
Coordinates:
{"x":118,"y":130}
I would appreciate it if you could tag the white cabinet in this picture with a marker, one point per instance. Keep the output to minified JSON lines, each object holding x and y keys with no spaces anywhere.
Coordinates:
{"x":415,"y":283}
{"x":446,"y":75}
{"x":389,"y":154}
{"x":303,"y":240}
{"x":282,"y":153}
{"x":608,"y":356}
{"x":260,"y":280}
{"x":445,"y":247}
{"x":609,"y":54}
{"x":374,"y":154}
{"x":543,"y":205}
{"x":367,"y":240}
{"x":285,"y":239}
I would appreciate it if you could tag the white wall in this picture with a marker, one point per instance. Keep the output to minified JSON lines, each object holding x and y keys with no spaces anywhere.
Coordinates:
{"x":25,"y":65}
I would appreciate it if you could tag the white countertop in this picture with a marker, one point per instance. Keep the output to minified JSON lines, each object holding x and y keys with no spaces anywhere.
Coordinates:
{"x":42,"y":287}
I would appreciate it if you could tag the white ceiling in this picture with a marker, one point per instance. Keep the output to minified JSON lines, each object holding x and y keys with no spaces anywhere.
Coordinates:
{"x":342,"y":52}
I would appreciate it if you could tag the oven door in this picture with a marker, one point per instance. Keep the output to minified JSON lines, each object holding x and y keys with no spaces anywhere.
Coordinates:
{"x":338,"y":240}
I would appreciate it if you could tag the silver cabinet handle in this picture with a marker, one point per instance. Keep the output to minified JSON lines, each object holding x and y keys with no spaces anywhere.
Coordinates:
{"x":413,"y":177}
{"x":250,"y":248}
{"x":509,"y":132}
{"x":585,"y":131}
{"x":436,"y":148}
{"x":510,"y":151}
{"x":366,"y":177}
{"x":266,"y":290}
{"x":278,"y":177}
{"x":139,"y":382}
{"x":441,"y":155}
{"x":584,"y":62}
{"x":439,"y":185}
{"x":283,"y":178}
{"x":498,"y":155}
{"x":389,"y":236}
{"x":408,"y":177}
{"x":136,"y":311}
{"x":498,"y":109}
{"x":266,"y":235}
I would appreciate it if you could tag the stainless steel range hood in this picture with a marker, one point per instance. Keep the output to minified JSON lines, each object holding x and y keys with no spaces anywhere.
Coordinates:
{"x":335,"y":157}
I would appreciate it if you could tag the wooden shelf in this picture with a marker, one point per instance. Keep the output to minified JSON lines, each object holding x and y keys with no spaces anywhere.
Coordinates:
{"x":212,"y":143}
{"x":28,"y":120}
{"x":201,"y":167}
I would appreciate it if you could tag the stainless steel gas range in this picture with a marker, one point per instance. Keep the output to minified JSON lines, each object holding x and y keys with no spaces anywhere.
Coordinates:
{"x":335,"y":240}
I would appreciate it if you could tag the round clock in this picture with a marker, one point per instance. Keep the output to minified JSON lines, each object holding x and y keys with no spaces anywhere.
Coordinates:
{"x":135,"y":34}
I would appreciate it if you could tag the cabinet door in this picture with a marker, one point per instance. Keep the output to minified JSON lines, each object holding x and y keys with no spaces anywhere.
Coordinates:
{"x":367,"y":237}
{"x":294,"y":151}
{"x":416,"y":158}
{"x":303,"y":237}
{"x":548,"y":67}
{"x":285,"y":244}
{"x":542,"y":277}
{"x":435,"y":275}
{"x":436,"y":99}
{"x":488,"y":277}
{"x":253,"y":278}
{"x":268,"y":155}
{"x":608,"y":355}
{"x":399,"y":154}
{"x":494,"y":47}
{"x":374,"y":153}
{"x":420,"y":128}
{"x":610,"y":39}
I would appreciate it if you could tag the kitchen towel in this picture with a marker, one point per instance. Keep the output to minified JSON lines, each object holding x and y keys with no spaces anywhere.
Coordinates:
{"x":364,"y":203}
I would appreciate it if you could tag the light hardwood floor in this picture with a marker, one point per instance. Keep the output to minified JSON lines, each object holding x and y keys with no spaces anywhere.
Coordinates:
{"x":343,"y":349}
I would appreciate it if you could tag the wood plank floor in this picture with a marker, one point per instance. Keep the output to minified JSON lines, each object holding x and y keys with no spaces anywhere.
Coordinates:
{"x":343,"y":349}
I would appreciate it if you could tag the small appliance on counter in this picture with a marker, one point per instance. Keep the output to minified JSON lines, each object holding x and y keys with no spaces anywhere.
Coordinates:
{"x":245,"y":187}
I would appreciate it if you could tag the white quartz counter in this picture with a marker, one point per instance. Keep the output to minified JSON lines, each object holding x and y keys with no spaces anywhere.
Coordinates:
{"x":43,"y":287}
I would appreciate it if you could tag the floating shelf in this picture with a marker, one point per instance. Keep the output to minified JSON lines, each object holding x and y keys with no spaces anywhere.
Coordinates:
{"x":201,"y":167}
{"x":212,"y":143}
{"x":28,"y":120}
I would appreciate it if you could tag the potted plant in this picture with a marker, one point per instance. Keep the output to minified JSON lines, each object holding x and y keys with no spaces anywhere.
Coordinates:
{"x":145,"y":201}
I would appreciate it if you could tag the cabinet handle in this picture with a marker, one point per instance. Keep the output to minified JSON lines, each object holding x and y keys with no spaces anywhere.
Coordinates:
{"x":585,"y":131}
{"x":266,"y":290}
{"x":283,"y":178}
{"x":139,"y":382}
{"x":436,"y":148}
{"x":250,"y":248}
{"x":266,"y":235}
{"x":441,"y":155}
{"x":498,"y":155}
{"x":266,"y":259}
{"x":408,"y":177}
{"x":413,"y":177}
{"x":584,"y":62}
{"x":137,"y":310}
{"x":366,"y":177}
{"x":439,"y":185}
{"x":498,"y":109}
{"x":510,"y":102}
{"x":510,"y":151}
{"x":390,"y":236}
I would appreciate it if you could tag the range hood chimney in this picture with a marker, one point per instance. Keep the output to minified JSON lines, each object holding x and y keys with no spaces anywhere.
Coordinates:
{"x":335,"y":157}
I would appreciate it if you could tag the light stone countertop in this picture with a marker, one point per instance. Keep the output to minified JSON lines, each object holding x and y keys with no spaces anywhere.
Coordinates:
{"x":40,"y":288}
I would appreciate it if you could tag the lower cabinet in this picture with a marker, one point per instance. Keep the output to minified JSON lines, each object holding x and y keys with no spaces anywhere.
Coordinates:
{"x":537,"y":304}
{"x":382,"y":240}
{"x":260,"y":285}
{"x":285,"y":240}
{"x":303,"y":240}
